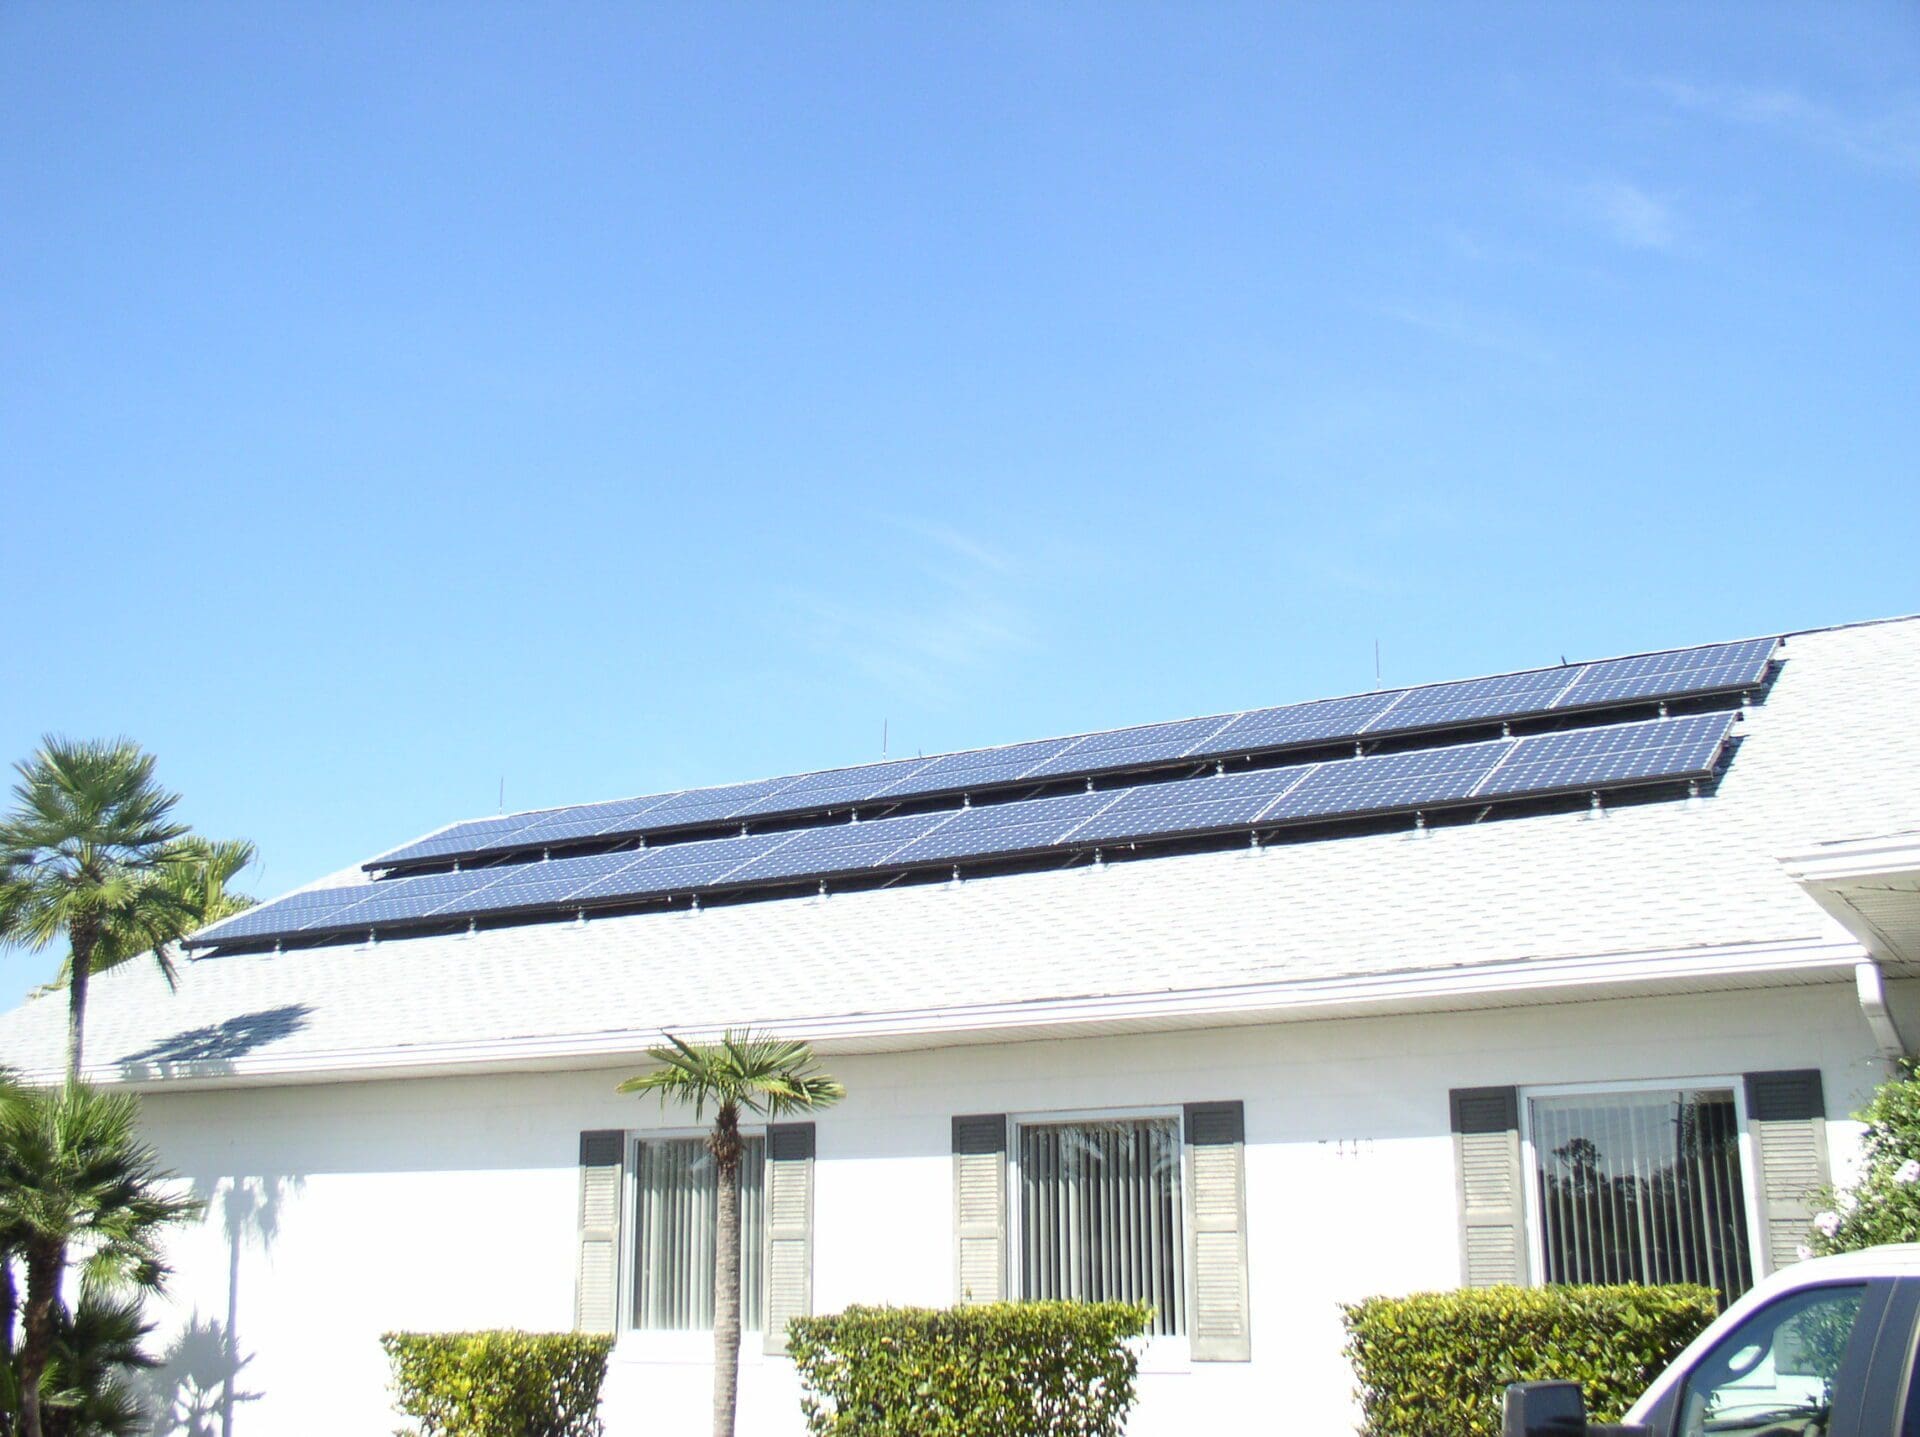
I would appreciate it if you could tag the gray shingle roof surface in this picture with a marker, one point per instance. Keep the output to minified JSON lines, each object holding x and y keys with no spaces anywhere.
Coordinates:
{"x":1834,"y":752}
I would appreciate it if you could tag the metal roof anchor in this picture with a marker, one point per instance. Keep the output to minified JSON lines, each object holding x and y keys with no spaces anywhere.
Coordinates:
{"x":1219,"y":768}
{"x":823,"y":889}
{"x":1595,"y":809}
{"x":956,"y":880}
{"x":1420,"y":829}
{"x":579,"y":918}
{"x":1099,"y":858}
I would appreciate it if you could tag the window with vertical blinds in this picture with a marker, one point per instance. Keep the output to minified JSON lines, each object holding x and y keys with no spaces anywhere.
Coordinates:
{"x":676,"y":1216}
{"x":1101,"y":1215}
{"x":1642,"y":1187}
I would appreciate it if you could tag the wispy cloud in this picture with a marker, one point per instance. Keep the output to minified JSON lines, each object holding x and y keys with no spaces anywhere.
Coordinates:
{"x":1629,"y":215}
{"x":1889,"y":139}
{"x":953,"y":608}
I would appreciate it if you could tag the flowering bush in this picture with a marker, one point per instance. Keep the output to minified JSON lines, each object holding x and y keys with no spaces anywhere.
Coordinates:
{"x":1883,"y":1205}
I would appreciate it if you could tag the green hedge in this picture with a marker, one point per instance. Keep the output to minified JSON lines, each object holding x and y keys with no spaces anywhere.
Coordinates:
{"x":1011,"y":1369}
{"x":1435,"y":1364}
{"x":499,"y":1384}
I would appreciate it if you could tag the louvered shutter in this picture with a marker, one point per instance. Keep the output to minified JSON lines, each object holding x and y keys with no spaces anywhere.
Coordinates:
{"x":596,"y":1303}
{"x":1490,"y":1186}
{"x":980,"y":1208}
{"x":789,"y":1228}
{"x":1217,"y":1246}
{"x":1787,"y":1119}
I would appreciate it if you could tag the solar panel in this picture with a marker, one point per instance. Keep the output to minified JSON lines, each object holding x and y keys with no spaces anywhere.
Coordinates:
{"x":681,"y":867}
{"x":284,"y":915}
{"x":1624,"y":753}
{"x":1671,"y":675}
{"x":993,"y":829}
{"x":983,"y":766}
{"x":590,"y":819}
{"x":1395,"y":780}
{"x":1133,"y":747}
{"x":533,"y":885}
{"x":840,"y":848}
{"x":1474,"y":700}
{"x":835,"y":787}
{"x":463,"y":838}
{"x":392,"y":900}
{"x":1324,"y":719}
{"x":706,"y":805}
{"x":1193,"y":805}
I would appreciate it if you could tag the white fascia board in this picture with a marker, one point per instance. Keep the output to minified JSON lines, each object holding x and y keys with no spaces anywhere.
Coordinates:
{"x":1853,"y":859}
{"x":1506,"y":984}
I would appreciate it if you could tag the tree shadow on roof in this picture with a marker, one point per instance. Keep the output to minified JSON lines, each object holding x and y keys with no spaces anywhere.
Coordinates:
{"x":220,"y":1042}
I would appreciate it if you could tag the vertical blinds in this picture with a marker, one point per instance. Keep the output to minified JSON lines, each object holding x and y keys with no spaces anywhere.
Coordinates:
{"x":1643,"y":1187}
{"x":676,"y":1219}
{"x":1101,"y":1215}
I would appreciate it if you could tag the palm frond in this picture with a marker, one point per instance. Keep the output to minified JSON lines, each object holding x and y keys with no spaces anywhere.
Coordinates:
{"x":755,"y":1073}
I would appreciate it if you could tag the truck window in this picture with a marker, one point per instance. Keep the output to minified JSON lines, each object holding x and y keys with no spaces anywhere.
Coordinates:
{"x":1773,"y":1374}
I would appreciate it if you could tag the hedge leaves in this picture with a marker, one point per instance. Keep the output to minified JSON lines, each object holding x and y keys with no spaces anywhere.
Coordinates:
{"x":499,"y":1384}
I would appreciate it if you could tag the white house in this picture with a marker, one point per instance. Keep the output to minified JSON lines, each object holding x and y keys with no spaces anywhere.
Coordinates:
{"x":1572,"y":974}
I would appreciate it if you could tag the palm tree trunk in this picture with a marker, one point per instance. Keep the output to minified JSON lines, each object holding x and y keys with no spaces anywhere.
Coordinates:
{"x":83,"y":938}
{"x":725,"y":1145}
{"x":8,"y":1303}
{"x":43,"y":1282}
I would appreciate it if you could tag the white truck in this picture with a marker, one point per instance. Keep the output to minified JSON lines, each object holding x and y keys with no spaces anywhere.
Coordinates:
{"x":1825,"y":1348}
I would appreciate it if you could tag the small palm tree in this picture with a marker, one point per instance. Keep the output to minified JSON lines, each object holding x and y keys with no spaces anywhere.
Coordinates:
{"x":75,"y":1176}
{"x":81,"y":856}
{"x":742,"y":1073}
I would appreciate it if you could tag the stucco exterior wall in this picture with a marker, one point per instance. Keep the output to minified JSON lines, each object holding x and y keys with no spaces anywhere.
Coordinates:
{"x":341,"y":1211}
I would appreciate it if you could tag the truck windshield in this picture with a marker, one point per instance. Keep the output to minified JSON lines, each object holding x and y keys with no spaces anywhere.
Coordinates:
{"x":1774,"y":1372}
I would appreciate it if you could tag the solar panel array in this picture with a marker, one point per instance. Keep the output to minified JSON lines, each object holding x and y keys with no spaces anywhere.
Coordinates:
{"x":1618,"y":755}
{"x":1644,"y":679}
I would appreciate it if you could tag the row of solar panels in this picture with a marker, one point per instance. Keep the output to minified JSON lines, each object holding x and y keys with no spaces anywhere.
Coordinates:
{"x":1647,"y":678}
{"x":1659,"y":750}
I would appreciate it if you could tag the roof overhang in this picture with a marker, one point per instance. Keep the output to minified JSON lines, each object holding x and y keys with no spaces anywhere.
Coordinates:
{"x":1522,"y":983}
{"x":1871,"y":886}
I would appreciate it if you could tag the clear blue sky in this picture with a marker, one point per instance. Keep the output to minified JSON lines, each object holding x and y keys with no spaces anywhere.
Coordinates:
{"x":398,"y":397}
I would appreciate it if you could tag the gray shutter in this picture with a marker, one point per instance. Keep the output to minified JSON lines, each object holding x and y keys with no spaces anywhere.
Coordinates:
{"x":1217,"y":1247}
{"x":789,"y":1228}
{"x":980,"y":1208}
{"x":1490,"y":1186}
{"x":1787,"y":1118}
{"x":596,"y":1301}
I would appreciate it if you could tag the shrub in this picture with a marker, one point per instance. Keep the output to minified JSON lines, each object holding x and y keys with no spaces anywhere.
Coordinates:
{"x":1010,"y":1369}
{"x":499,"y":1384}
{"x":1884,"y":1204}
{"x":1435,"y":1364}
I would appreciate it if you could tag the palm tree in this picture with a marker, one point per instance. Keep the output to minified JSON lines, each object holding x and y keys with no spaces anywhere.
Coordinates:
{"x":81,"y":855}
{"x":190,"y":892}
{"x":742,"y":1073}
{"x":75,"y":1175}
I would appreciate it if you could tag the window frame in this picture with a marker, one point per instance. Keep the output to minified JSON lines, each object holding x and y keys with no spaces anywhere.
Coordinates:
{"x":659,"y":1344}
{"x":1530,"y":1160}
{"x":1171,"y":1353}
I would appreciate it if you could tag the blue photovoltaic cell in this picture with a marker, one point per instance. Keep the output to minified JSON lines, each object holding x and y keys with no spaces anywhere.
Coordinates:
{"x":1686,"y":671}
{"x":1625,"y":753}
{"x":707,"y":805}
{"x":1503,"y":696}
{"x":284,"y":915}
{"x":835,"y":787}
{"x":535,"y":884}
{"x":1323,"y":720}
{"x":1394,"y":780}
{"x":395,"y":899}
{"x":982,"y":766}
{"x":1133,"y":747}
{"x":680,"y":867}
{"x":473,"y":837}
{"x":1191,"y":805}
{"x":589,"y":819}
{"x":998,"y":828}
{"x":840,"y":848}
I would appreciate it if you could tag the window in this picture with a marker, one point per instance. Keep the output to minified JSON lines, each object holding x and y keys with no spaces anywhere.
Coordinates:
{"x":1774,"y":1372}
{"x":1101,"y":1215}
{"x":676,"y":1217}
{"x":1642,"y":1186}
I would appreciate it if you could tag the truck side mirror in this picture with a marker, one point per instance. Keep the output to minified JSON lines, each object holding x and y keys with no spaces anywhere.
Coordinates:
{"x":1544,"y":1409}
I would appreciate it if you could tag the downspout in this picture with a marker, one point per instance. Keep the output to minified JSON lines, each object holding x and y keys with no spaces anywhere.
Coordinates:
{"x":1870,"y":985}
